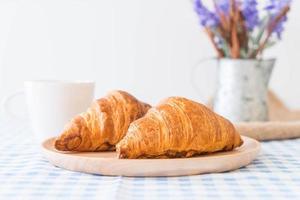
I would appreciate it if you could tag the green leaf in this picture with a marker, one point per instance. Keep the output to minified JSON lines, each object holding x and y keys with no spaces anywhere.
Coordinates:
{"x":270,"y":44}
{"x":261,"y":32}
{"x":243,"y":53}
{"x":226,"y":50}
{"x":225,"y":47}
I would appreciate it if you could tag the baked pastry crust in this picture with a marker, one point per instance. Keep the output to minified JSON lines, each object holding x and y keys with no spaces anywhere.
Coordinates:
{"x":103,"y":125}
{"x":178,"y":127}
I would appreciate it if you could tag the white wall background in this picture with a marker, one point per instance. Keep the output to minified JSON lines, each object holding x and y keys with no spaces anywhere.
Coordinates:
{"x":146,"y":47}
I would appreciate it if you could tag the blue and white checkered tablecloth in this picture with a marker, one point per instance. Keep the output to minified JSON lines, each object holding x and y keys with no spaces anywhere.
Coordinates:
{"x":25,"y":174}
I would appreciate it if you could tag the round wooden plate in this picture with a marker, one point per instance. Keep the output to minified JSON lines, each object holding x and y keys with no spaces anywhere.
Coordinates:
{"x":107,"y":163}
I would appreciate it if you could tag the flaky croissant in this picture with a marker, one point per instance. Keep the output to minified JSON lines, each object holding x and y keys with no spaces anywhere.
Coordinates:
{"x":178,"y":127}
{"x":103,"y":125}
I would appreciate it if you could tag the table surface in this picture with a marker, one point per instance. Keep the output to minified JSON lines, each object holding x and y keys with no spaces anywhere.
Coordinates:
{"x":25,"y":174}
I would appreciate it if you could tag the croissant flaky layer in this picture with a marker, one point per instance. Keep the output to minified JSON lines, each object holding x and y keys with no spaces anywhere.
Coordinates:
{"x":103,"y":125}
{"x":178,"y":127}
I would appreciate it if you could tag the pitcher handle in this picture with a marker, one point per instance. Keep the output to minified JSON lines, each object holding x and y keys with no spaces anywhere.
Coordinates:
{"x":193,"y":72}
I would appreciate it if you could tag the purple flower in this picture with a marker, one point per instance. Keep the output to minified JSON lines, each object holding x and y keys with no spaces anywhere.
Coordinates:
{"x":225,"y":26}
{"x":223,"y":6}
{"x":275,"y":7}
{"x":250,"y":13}
{"x":248,"y":8}
{"x":207,"y":18}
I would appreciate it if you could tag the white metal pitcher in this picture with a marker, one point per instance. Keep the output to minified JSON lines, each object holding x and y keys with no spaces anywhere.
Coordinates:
{"x":242,"y":87}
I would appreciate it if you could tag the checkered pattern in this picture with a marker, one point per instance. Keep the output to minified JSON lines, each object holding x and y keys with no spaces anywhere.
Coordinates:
{"x":25,"y":174}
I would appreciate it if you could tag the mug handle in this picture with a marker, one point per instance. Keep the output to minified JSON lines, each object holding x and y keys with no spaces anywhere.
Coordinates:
{"x":193,"y":73}
{"x":6,"y":105}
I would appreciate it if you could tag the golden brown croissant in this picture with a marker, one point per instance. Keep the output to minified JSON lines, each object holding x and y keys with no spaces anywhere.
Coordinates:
{"x":103,"y":125}
{"x":178,"y":127}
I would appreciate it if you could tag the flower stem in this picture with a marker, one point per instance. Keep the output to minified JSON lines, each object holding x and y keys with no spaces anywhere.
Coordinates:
{"x":211,"y":37}
{"x":235,"y":46}
{"x":272,"y":25}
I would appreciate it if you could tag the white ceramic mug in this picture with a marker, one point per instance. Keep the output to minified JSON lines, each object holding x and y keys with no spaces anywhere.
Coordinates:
{"x":51,"y":104}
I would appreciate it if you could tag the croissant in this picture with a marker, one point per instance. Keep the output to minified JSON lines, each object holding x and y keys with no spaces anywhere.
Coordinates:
{"x":178,"y":127}
{"x":103,"y":125}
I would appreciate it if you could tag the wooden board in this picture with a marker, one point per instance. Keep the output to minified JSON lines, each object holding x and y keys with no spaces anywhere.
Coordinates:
{"x":106,"y":163}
